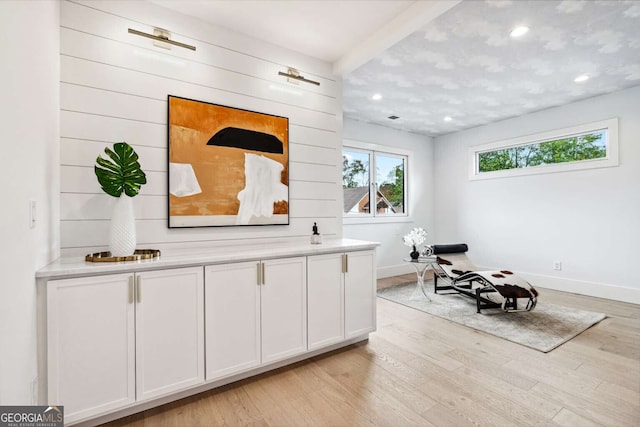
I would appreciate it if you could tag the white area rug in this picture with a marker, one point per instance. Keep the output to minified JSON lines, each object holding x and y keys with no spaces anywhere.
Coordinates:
{"x":543,"y":329}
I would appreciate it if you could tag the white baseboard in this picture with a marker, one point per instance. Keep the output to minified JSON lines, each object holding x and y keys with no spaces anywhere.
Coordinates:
{"x":394,"y":270}
{"x":583,"y":287}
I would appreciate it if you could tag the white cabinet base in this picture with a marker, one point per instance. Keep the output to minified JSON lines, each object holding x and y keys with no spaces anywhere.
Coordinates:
{"x":99,"y":327}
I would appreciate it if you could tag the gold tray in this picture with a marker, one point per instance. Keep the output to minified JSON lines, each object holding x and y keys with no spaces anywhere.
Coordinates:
{"x":138,"y":254}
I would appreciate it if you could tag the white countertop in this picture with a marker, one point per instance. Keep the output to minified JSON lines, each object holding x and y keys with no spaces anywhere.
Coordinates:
{"x":172,"y":258}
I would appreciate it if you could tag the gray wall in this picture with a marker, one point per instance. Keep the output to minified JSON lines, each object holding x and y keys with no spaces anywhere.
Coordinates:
{"x":586,"y":219}
{"x":421,"y":193}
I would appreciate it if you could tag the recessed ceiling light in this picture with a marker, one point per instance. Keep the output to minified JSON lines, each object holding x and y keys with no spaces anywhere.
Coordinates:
{"x":519,"y":31}
{"x":448,"y":118}
{"x":376,"y":97}
{"x":581,"y":78}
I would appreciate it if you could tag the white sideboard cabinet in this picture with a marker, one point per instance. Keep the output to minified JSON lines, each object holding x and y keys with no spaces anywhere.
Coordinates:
{"x":256,"y":314}
{"x":116,"y":339}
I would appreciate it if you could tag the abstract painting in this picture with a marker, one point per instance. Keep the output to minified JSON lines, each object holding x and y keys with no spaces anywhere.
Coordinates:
{"x":227,"y":166}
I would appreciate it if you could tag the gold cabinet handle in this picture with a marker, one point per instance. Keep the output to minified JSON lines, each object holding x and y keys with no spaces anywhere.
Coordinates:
{"x":139,"y":289}
{"x":346,"y":263}
{"x":259,"y":274}
{"x":130,"y":289}
{"x":264,"y":276}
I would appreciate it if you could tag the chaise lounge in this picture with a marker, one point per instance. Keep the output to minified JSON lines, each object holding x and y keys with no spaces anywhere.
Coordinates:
{"x":490,"y":289}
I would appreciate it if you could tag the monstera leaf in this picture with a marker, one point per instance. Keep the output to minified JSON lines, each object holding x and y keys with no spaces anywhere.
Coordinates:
{"x":121,"y":171}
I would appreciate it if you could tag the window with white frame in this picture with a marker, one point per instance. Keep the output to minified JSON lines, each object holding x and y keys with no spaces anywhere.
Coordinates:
{"x":587,"y":146}
{"x":378,"y":175}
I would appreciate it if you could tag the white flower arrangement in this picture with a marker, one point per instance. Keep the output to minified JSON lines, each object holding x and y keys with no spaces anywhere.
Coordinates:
{"x":415,"y":237}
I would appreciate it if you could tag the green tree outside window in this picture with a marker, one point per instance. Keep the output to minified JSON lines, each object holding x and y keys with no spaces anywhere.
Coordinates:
{"x":571,"y":149}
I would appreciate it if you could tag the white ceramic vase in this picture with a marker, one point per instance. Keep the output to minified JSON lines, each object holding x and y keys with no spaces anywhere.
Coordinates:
{"x":122,"y":235}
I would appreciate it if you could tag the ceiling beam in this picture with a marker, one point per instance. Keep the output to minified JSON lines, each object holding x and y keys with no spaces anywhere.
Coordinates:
{"x":412,"y":19}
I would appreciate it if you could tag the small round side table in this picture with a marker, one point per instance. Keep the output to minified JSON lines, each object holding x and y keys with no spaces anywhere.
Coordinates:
{"x":421,"y":265}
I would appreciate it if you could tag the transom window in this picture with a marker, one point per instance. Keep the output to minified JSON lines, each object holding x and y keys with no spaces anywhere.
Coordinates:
{"x":587,"y":146}
{"x":373,"y":175}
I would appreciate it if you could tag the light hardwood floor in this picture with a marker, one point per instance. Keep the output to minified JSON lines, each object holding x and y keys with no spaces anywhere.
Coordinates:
{"x":417,"y":369}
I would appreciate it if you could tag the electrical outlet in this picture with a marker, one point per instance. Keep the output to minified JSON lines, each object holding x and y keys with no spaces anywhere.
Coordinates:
{"x":557,"y":265}
{"x":32,"y":213}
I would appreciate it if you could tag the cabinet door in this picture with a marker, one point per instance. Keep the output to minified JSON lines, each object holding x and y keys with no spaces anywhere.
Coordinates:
{"x":232,"y":305}
{"x":90,"y":344}
{"x":325,"y":296}
{"x":284,"y":308}
{"x":169,"y":331}
{"x":360,"y":293}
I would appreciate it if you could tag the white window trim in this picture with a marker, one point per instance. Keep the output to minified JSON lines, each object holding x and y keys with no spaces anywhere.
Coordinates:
{"x":381,"y":149}
{"x":611,"y":159}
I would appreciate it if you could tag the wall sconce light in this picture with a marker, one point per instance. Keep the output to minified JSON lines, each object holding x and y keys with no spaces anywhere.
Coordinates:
{"x":162,"y":36}
{"x":293,"y":76}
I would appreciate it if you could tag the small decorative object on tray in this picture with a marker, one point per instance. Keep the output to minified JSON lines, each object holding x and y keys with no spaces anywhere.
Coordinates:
{"x":427,"y":251}
{"x":315,"y":237}
{"x":138,"y":255}
{"x":414,"y":238}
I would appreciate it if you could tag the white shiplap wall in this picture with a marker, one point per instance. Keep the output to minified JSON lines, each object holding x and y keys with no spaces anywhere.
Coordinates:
{"x":114,"y":87}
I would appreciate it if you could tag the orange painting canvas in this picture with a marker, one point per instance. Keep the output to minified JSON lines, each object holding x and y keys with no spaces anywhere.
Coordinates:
{"x":227,"y":166}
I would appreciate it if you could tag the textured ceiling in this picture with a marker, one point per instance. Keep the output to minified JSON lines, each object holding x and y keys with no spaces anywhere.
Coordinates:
{"x":465,"y":65}
{"x":462,"y":64}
